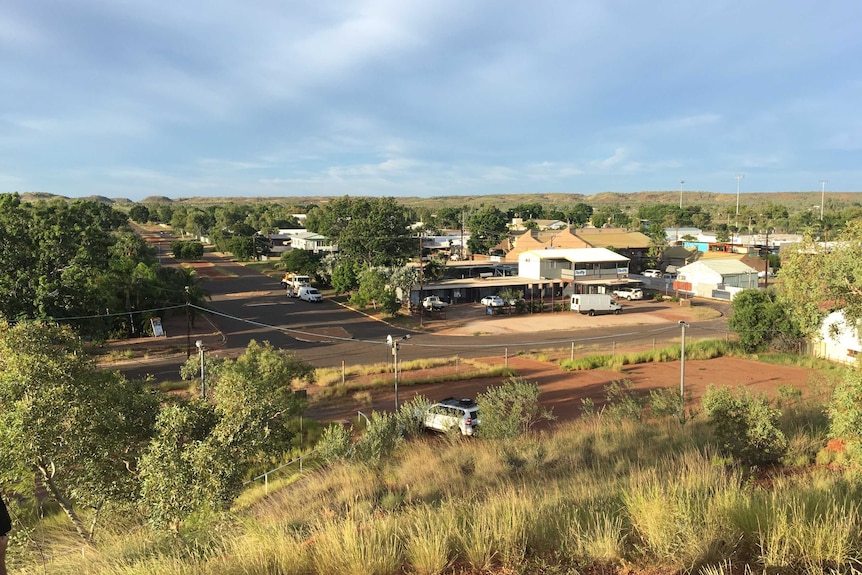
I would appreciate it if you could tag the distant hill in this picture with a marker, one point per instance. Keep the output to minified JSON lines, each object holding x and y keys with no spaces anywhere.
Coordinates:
{"x":626,"y":201}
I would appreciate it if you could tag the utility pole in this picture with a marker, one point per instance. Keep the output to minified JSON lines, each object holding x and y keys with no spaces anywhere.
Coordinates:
{"x":681,"y":182}
{"x":738,"y":177}
{"x":683,"y":325}
{"x":421,"y":309}
{"x":822,"y":197}
{"x":768,"y":251}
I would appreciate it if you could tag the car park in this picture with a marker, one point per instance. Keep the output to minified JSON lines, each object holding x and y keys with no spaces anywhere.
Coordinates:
{"x":629,"y":293}
{"x":492,"y":301}
{"x":452,"y":413}
{"x":652,"y":273}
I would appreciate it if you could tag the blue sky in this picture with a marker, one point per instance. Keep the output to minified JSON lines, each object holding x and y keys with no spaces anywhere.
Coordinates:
{"x":132,"y":98}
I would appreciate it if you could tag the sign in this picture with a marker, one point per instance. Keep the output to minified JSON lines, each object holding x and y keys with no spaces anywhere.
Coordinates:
{"x":158,"y":331}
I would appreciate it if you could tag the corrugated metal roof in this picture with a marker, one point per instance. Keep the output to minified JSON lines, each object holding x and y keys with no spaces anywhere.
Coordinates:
{"x":726,"y":266}
{"x":579,"y":255}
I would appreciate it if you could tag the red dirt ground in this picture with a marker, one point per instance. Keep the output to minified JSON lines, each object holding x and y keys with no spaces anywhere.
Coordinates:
{"x":563,"y":391}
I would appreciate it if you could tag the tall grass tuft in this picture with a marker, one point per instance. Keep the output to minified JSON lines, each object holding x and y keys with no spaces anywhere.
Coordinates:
{"x":369,"y":546}
{"x":429,"y":539}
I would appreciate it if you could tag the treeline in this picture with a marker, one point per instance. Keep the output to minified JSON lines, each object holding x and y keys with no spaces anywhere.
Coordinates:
{"x":80,"y":263}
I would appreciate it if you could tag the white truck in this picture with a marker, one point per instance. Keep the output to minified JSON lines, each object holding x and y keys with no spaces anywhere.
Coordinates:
{"x":593,"y":303}
{"x":293,"y":282}
{"x":433,"y":302}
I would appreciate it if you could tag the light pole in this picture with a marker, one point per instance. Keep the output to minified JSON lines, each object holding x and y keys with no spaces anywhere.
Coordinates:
{"x":738,"y":177}
{"x":683,"y":325}
{"x":822,"y":197}
{"x":393,"y":343}
{"x":200,"y":345}
{"x":681,"y":182}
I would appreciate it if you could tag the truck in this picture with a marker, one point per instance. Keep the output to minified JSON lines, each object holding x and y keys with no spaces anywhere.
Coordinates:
{"x":433,"y":302}
{"x":593,"y":303}
{"x":292,"y":282}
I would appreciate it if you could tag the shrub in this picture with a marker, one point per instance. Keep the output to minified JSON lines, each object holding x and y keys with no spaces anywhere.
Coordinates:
{"x":845,"y":415}
{"x":335,"y":443}
{"x":510,"y":409}
{"x":380,"y":438}
{"x":745,"y":426}
{"x":622,"y":401}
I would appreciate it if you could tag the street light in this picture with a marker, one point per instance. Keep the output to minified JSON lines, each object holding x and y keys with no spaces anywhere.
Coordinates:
{"x":200,"y":345}
{"x":681,"y":182}
{"x":683,"y":325}
{"x":738,"y":177}
{"x":393,"y":343}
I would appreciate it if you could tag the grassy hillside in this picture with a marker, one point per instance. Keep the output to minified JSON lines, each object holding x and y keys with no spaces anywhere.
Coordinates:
{"x":609,"y":493}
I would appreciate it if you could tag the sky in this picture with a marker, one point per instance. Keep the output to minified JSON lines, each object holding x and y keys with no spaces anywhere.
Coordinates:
{"x":280,"y":98}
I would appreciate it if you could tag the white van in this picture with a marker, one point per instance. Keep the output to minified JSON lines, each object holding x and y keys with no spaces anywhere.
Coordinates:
{"x":593,"y":303}
{"x":310,"y":294}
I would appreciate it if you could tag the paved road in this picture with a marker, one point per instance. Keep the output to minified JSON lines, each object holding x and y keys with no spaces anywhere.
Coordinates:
{"x":250,"y":305}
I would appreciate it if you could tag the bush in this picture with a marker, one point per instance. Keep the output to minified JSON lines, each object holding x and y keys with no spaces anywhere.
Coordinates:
{"x":379,"y":440}
{"x":745,"y":426}
{"x":335,"y":443}
{"x":510,"y":409}
{"x":845,"y":415}
{"x":187,"y":250}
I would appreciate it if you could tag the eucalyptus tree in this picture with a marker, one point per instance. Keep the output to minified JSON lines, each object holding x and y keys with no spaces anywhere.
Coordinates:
{"x":79,"y":428}
{"x":204,"y":449}
{"x":371,"y":231}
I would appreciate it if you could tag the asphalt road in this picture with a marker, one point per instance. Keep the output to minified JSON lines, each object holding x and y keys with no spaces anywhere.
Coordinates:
{"x":251,"y":305}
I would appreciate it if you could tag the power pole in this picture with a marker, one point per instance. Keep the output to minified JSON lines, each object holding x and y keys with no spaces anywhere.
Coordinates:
{"x":421,"y":308}
{"x":738,"y":177}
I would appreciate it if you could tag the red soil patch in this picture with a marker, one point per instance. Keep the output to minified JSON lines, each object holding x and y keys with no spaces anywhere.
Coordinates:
{"x":563,"y":391}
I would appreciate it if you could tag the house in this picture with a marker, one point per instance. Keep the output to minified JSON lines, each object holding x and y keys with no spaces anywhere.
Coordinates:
{"x":839,"y":339}
{"x":716,"y":278}
{"x":576,"y":270}
{"x":633,"y":245}
{"x":312,"y":242}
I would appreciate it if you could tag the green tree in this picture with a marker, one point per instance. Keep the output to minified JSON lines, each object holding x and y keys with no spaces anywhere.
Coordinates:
{"x":202,"y":451}
{"x":814,"y":275}
{"x":79,"y":428}
{"x":760,"y":319}
{"x":301,"y":261}
{"x":372,"y":231}
{"x":139,"y":213}
{"x":487,"y":228}
{"x":511,"y":409}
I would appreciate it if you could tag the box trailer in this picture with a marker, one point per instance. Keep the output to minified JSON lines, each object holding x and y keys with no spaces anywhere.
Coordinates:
{"x":593,"y":303}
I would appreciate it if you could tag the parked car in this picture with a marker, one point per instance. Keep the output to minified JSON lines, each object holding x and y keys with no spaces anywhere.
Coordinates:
{"x":310,"y":294}
{"x":433,"y":302}
{"x":451,"y":413}
{"x":493,"y":301}
{"x":629,"y":293}
{"x":652,"y":273}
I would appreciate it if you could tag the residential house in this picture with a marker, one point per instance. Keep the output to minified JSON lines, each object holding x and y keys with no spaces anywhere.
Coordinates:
{"x":312,"y":242}
{"x":716,"y":278}
{"x":839,"y":339}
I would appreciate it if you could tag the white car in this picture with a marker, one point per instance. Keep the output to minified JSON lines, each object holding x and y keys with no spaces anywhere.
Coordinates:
{"x":629,"y":293}
{"x":492,"y":301}
{"x":652,"y":273}
{"x":451,"y":413}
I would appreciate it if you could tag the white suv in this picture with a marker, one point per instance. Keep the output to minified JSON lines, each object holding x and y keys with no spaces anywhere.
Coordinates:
{"x":451,"y":413}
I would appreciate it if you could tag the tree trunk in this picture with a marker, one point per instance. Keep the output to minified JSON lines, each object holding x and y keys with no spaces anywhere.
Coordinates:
{"x":64,"y":503}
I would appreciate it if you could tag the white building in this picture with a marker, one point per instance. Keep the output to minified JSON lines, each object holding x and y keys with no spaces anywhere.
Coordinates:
{"x":839,"y":339}
{"x":716,"y":278}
